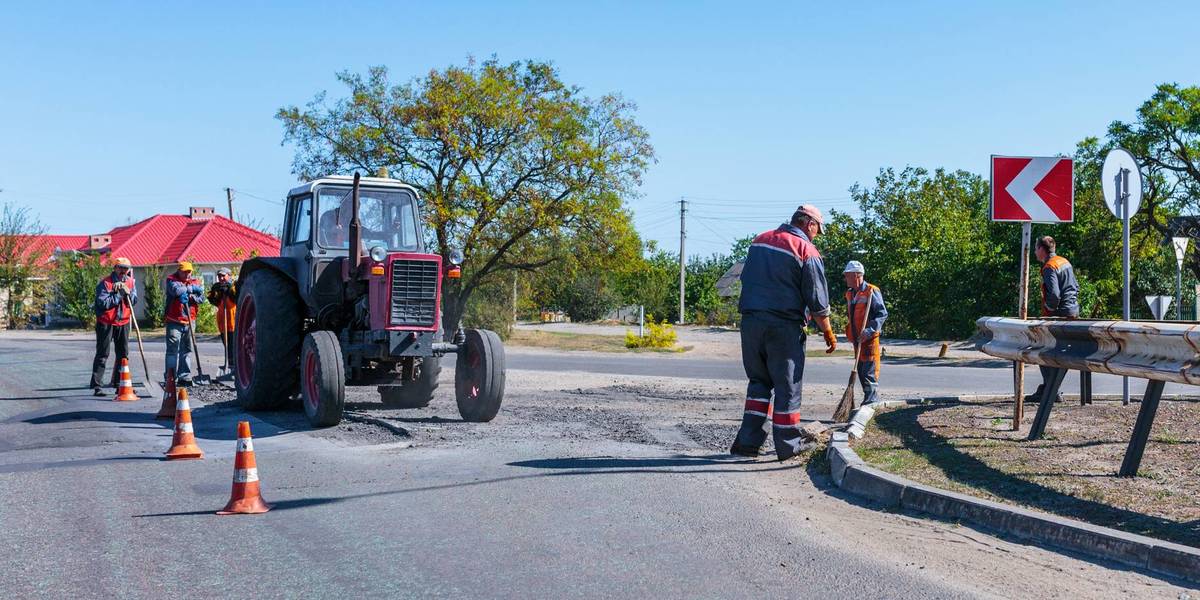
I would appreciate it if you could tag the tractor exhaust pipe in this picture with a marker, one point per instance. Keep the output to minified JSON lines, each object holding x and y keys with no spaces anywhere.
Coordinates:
{"x":355,"y":232}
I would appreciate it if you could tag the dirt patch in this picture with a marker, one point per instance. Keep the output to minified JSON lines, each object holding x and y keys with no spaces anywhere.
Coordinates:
{"x":561,"y":340}
{"x":968,"y":448}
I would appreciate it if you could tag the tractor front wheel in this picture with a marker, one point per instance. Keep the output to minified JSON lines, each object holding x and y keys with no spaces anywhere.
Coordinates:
{"x":479,"y":376}
{"x":322,"y":379}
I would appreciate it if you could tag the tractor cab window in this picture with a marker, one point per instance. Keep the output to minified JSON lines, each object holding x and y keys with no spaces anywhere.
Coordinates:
{"x":386,"y":217}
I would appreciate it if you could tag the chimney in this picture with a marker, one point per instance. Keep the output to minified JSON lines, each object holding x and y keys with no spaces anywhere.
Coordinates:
{"x":202,"y":213}
{"x":98,"y":241}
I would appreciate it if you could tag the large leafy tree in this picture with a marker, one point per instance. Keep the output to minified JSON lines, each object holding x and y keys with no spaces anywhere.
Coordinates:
{"x":512,"y":163}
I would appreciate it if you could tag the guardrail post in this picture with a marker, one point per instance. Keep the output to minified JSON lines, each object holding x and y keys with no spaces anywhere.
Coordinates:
{"x":1050,"y":389}
{"x":1085,"y":388}
{"x":1141,"y":430}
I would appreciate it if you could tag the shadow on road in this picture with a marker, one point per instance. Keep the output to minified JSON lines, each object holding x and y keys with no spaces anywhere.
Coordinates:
{"x":572,"y":467}
{"x":92,"y":415}
{"x":929,"y":361}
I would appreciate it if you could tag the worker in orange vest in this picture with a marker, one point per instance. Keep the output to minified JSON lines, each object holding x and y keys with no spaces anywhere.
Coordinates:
{"x":1060,"y":295}
{"x":223,"y":295}
{"x":115,"y":294}
{"x":860,"y":294}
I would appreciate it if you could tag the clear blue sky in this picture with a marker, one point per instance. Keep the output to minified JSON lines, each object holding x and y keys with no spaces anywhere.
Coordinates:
{"x":112,"y":111}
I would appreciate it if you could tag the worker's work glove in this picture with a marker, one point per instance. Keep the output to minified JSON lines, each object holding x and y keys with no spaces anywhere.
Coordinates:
{"x":830,"y":341}
{"x":196,"y":288}
{"x":868,"y":333}
{"x":121,"y":288}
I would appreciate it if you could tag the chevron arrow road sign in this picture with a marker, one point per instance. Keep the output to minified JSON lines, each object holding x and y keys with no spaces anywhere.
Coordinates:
{"x":1037,"y":189}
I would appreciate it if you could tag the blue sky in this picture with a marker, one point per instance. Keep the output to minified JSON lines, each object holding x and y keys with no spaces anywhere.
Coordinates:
{"x":127,"y":109}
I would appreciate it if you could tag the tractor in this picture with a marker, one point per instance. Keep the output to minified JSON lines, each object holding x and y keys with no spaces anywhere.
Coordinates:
{"x":355,"y":299}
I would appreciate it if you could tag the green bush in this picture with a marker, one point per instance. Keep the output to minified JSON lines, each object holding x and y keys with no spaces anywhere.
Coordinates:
{"x":658,"y":335}
{"x":490,"y":307}
{"x":153,"y":297}
{"x":75,"y":279}
{"x":206,"y":318}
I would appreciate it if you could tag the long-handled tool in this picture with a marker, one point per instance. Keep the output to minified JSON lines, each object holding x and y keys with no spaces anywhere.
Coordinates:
{"x":841,"y":414}
{"x":151,"y":384}
{"x":225,"y":343}
{"x":200,"y":378}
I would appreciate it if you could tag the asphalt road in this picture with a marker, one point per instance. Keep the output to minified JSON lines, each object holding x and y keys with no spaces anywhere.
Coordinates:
{"x":89,"y":509}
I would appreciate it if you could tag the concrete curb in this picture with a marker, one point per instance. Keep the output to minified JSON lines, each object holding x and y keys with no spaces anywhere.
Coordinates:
{"x":851,"y":474}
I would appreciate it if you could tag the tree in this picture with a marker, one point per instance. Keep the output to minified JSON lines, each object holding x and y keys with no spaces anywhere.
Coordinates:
{"x":21,"y":249}
{"x":75,"y":279}
{"x":509,"y":160}
{"x":154,"y":296}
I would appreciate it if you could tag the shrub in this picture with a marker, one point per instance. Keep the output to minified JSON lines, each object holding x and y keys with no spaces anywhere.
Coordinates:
{"x":75,"y":280}
{"x":490,"y":307}
{"x":206,"y":318}
{"x":153,"y":297}
{"x":658,"y":335}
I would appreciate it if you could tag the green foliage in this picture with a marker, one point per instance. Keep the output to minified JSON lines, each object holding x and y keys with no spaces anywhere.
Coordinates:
{"x":153,"y":296}
{"x":658,"y":335}
{"x":700,"y":291}
{"x":20,"y":273}
{"x":75,"y":279}
{"x":513,"y":165}
{"x":587,"y":297}
{"x":490,"y":308}
{"x":206,"y":318}
{"x":651,"y":281}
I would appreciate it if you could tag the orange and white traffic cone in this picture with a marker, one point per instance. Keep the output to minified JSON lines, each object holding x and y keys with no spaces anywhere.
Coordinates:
{"x":183,"y":443}
{"x":167,"y":411}
{"x":245,"y":498}
{"x":125,"y":391}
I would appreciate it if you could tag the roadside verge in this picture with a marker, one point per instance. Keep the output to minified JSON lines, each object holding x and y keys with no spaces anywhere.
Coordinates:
{"x":850,"y":473}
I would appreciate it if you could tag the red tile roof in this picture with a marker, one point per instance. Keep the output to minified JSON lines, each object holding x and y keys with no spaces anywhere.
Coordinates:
{"x":167,"y":239}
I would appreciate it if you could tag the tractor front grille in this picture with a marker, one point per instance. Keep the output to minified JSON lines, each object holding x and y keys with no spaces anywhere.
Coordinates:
{"x":414,"y":293}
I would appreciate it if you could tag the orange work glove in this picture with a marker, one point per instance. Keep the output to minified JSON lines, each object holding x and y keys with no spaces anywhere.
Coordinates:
{"x":830,"y":341}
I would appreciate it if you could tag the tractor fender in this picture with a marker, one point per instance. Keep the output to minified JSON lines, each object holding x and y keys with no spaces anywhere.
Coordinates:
{"x":279,"y":264}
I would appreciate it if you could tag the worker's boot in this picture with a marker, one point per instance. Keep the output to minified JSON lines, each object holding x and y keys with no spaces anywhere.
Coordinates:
{"x":738,"y":450}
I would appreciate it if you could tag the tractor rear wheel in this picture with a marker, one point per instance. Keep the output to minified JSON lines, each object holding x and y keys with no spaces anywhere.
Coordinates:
{"x":414,"y":394}
{"x":322,"y":379}
{"x":268,"y":338}
{"x":479,"y":376}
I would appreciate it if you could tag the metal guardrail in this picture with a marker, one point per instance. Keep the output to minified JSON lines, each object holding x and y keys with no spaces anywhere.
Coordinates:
{"x":1157,"y":351}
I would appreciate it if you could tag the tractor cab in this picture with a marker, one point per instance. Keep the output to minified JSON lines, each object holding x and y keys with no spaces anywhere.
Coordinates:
{"x":355,"y":299}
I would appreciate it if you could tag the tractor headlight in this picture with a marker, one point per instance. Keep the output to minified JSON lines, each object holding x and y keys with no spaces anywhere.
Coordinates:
{"x":378,"y":253}
{"x":456,"y":257}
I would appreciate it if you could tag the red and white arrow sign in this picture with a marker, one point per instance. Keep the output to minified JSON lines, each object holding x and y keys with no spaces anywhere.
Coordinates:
{"x":1032,"y":188}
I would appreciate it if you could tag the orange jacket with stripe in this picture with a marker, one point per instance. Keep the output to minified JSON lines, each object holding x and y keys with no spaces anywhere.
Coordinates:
{"x":856,"y":301}
{"x":1060,"y":290}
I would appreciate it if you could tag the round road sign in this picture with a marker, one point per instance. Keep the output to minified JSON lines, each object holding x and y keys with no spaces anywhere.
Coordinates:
{"x":1117,"y":162}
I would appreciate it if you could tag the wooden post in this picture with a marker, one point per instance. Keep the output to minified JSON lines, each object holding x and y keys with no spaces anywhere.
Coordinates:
{"x":1023,"y":309}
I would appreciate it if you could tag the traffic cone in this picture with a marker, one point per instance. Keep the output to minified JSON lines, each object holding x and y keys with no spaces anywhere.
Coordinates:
{"x":245,"y":498}
{"x":125,"y":386}
{"x":183,"y":443}
{"x":169,"y":399}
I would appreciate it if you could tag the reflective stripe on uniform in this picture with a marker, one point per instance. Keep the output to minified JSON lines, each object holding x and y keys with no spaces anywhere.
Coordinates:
{"x":786,"y":419}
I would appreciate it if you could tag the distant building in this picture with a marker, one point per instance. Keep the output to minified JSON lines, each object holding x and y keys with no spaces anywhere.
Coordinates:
{"x":206,"y":239}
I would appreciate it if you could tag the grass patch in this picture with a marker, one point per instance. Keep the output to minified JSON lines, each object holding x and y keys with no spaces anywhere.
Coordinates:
{"x":1070,"y":472}
{"x":561,"y":340}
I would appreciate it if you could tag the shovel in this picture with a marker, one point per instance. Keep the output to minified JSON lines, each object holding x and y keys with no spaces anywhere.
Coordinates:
{"x":200,"y":378}
{"x":225,"y":370}
{"x":151,"y":384}
{"x":841,"y":414}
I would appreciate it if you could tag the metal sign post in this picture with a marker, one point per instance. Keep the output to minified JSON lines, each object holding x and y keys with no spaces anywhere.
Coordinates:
{"x":1122,"y":185}
{"x":1023,"y":309}
{"x":1030,"y":189}
{"x":1180,"y":244}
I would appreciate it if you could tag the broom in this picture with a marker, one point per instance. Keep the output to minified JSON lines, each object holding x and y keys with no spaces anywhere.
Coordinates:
{"x":841,"y":414}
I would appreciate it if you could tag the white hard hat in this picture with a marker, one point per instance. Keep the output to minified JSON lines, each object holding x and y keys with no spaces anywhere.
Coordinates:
{"x":854,"y":267}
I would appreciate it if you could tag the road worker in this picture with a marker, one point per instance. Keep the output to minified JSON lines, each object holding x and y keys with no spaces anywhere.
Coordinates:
{"x":1060,"y":295}
{"x":116,"y":294}
{"x":860,"y":295}
{"x":783,"y":285}
{"x":223,"y":295}
{"x":184,"y":296}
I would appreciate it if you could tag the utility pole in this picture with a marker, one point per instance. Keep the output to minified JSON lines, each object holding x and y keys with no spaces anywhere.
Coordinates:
{"x":682,"y":260}
{"x":229,"y":198}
